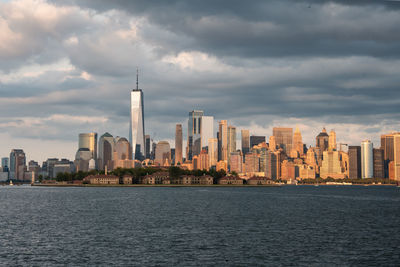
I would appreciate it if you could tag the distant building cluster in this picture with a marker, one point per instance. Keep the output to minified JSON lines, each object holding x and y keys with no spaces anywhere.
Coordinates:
{"x":281,"y":156}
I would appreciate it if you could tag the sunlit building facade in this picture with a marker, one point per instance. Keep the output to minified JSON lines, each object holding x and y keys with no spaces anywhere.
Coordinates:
{"x":283,"y":138}
{"x":136,"y":129}
{"x":367,"y":163}
{"x":178,"y":145}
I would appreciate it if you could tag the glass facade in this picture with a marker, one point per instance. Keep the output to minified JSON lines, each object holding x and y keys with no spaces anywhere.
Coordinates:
{"x":136,"y":129}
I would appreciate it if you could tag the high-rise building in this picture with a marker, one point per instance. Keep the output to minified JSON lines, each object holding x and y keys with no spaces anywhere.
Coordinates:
{"x":136,"y":129}
{"x":245,"y":141}
{"x":17,"y":164}
{"x":272,"y":143}
{"x":178,"y":144}
{"x":213,"y":151}
{"x":322,"y":140}
{"x":147,"y":146}
{"x":288,"y":170}
{"x":298,"y":142}
{"x":89,"y":141}
{"x":331,"y":165}
{"x":194,"y":133}
{"x":283,"y":138}
{"x":163,"y":154}
{"x":396,"y":157}
{"x":5,"y":165}
{"x":223,"y":140}
{"x":388,"y":150}
{"x":367,"y":163}
{"x":203,"y":161}
{"x":252,"y":163}
{"x":332,"y":140}
{"x":379,"y":171}
{"x":354,"y":162}
{"x":207,"y":130}
{"x":106,"y":151}
{"x":235,"y":162}
{"x":311,"y":159}
{"x":273,"y":164}
{"x":255,"y":140}
{"x":122,"y":149}
{"x":231,"y":140}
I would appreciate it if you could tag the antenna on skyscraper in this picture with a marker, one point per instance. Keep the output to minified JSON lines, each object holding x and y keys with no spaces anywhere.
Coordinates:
{"x":137,"y":78}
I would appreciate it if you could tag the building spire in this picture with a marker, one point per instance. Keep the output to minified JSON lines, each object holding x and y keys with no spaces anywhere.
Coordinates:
{"x":137,"y":78}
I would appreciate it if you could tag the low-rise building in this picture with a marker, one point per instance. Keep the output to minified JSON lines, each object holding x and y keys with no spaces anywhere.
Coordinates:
{"x":157,"y":178}
{"x":259,"y":181}
{"x":230,"y":180}
{"x":127,"y":179}
{"x":102,"y":179}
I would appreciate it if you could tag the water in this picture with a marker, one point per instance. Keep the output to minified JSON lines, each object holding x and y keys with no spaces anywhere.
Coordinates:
{"x":288,"y":226}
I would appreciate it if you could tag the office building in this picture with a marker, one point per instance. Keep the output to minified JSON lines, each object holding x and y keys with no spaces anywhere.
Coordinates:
{"x":272,"y":143}
{"x":213,"y":151}
{"x":106,"y":151}
{"x":354,"y":162}
{"x":332,"y":166}
{"x":235,"y":162}
{"x":89,"y":141}
{"x":5,"y":164}
{"x":231,"y":140}
{"x":223,"y":141}
{"x":367,"y":163}
{"x":203,"y":161}
{"x":378,"y":155}
{"x":332,"y":140}
{"x":288,"y":171}
{"x":194,"y":133}
{"x":255,"y":140}
{"x":136,"y":129}
{"x":17,"y":164}
{"x":245,"y":141}
{"x":322,"y":141}
{"x":396,"y":157}
{"x":298,"y":142}
{"x":206,"y":130}
{"x":252,"y":163}
{"x":178,"y":145}
{"x":147,"y":146}
{"x":123,"y":149}
{"x":283,"y":138}
{"x":163,"y":154}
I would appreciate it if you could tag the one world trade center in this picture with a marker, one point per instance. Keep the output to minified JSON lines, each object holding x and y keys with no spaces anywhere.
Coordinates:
{"x":136,"y":129}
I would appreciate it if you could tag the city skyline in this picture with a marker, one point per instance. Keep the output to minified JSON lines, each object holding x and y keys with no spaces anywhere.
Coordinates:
{"x":71,"y":80}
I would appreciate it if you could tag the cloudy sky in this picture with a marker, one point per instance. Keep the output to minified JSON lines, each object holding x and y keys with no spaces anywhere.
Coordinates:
{"x":68,"y":66}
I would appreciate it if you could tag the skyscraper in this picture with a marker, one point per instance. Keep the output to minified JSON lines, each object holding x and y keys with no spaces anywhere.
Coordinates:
{"x":272,"y":143}
{"x":231,"y":140}
{"x":283,"y":138}
{"x":235,"y":162}
{"x":136,"y":129}
{"x":178,"y":144}
{"x":213,"y":151}
{"x":354,"y":162}
{"x":207,"y":130}
{"x":388,"y":150}
{"x":5,"y":164}
{"x":163,"y":154}
{"x":379,"y":171}
{"x":147,"y":145}
{"x":89,"y":141}
{"x":298,"y":142}
{"x":322,"y":141}
{"x":332,"y":140}
{"x":367,"y":162}
{"x":255,"y":140}
{"x":245,"y":141}
{"x":106,"y":151}
{"x":223,"y":140}
{"x":17,"y":164}
{"x":194,"y":133}
{"x":396,"y":156}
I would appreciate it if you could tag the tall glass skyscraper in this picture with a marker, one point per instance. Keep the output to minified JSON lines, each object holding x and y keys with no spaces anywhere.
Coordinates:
{"x":194,"y":133}
{"x":136,"y":129}
{"x":367,"y":163}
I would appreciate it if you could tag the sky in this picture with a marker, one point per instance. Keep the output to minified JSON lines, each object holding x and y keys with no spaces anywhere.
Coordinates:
{"x":67,"y":67}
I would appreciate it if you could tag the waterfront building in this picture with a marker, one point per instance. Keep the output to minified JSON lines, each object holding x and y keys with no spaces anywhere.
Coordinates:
{"x":223,"y":140}
{"x":213,"y":151}
{"x":332,"y":140}
{"x":378,"y":159}
{"x":306,"y":171}
{"x":178,"y":145}
{"x":283,"y":138}
{"x":255,"y":140}
{"x":17,"y":164}
{"x":322,"y":141}
{"x":163,"y":154}
{"x":136,"y":129}
{"x":311,"y":157}
{"x":236,"y":161}
{"x":89,"y":141}
{"x":259,"y":181}
{"x":273,"y":164}
{"x":5,"y":164}
{"x":298,"y":142}
{"x":147,"y":146}
{"x":230,"y":180}
{"x":245,"y":141}
{"x":332,"y":166}
{"x":396,"y":157}
{"x":354,"y":162}
{"x":106,"y":151}
{"x":63,"y":166}
{"x":367,"y":163}
{"x":101,"y":179}
{"x":231,"y":141}
{"x":387,"y":144}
